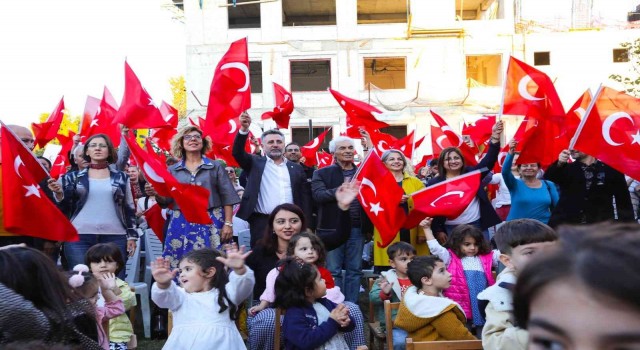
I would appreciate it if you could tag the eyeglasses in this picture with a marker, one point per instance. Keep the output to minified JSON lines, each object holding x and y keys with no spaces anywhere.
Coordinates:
{"x":192,"y":137}
{"x":97,"y":145}
{"x":26,"y":140}
{"x":230,"y":171}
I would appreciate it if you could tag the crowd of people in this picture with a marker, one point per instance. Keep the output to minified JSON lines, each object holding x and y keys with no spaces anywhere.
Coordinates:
{"x":541,"y":264}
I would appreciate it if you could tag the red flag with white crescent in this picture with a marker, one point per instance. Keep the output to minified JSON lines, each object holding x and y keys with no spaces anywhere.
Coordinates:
{"x":359,"y":115}
{"x":448,"y":198}
{"x":309,"y":150}
{"x":230,"y":92}
{"x":27,"y":209}
{"x":454,"y":139}
{"x":47,"y":131}
{"x":284,"y":107}
{"x":380,"y":197}
{"x":610,"y":131}
{"x":323,"y":159}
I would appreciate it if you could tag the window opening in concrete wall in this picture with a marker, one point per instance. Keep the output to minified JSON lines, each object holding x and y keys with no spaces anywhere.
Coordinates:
{"x":308,"y":13}
{"x":542,"y":58}
{"x":385,"y":72}
{"x":485,"y":69}
{"x":382,"y":11}
{"x":243,"y":16}
{"x":310,"y":75}
{"x":300,"y":135}
{"x":255,"y":76}
{"x":397,"y":131}
{"x":473,"y":10}
{"x":620,"y":55}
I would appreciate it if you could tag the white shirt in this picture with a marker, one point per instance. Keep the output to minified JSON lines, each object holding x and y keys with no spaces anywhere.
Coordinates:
{"x":275,"y":187}
{"x":503,"y":197}
{"x":470,"y":214}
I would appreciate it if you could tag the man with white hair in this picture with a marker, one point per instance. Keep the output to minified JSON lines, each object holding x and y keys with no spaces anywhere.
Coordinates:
{"x":345,"y":253}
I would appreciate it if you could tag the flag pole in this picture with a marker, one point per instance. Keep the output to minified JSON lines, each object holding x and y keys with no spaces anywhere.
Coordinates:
{"x":504,"y":90}
{"x":572,"y":143}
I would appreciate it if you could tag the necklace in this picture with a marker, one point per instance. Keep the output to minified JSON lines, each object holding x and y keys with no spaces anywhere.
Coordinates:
{"x":99,"y":165}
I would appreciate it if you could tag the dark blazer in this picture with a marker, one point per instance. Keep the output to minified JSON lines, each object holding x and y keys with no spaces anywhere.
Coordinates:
{"x":577,"y":205}
{"x":324,"y":184}
{"x":488,"y":216}
{"x":254,"y":165}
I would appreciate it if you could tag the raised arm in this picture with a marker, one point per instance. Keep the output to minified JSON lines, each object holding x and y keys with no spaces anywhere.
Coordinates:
{"x":242,"y":157}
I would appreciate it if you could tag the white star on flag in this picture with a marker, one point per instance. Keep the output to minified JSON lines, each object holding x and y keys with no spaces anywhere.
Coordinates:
{"x":94,"y":122}
{"x":152,"y":102}
{"x":376,"y":208}
{"x":32,"y":190}
{"x":636,"y":138}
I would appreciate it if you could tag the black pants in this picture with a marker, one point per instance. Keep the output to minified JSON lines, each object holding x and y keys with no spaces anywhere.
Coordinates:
{"x":258,"y":224}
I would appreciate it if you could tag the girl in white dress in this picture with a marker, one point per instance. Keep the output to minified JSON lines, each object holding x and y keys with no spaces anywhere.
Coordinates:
{"x":204,"y":307}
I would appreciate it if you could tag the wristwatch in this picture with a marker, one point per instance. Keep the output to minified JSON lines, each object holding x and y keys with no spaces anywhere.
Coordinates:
{"x":228,"y":223}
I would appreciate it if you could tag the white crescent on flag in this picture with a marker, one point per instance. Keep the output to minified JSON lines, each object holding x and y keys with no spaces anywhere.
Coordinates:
{"x":368,"y":183}
{"x":16,"y":165}
{"x":234,"y":127}
{"x":313,"y":145}
{"x":608,"y":122}
{"x":522,"y":89}
{"x":152,"y":173}
{"x":452,"y":193}
{"x":439,"y":141}
{"x":243,"y":68}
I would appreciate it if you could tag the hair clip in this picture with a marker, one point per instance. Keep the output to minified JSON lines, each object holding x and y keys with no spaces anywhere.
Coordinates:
{"x":77,"y":280}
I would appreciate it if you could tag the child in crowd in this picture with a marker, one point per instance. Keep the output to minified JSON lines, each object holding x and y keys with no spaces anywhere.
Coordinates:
{"x":518,"y":241}
{"x":424,"y":313}
{"x":470,"y":260}
{"x":312,"y":321}
{"x":309,"y":248}
{"x":392,"y":285}
{"x":89,"y":287}
{"x":204,"y":307}
{"x":105,"y":258}
{"x":583,"y":295}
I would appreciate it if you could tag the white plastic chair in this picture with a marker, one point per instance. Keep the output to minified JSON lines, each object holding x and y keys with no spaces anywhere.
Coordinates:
{"x":132,"y":278}
{"x":153,"y":250}
{"x":244,"y":239}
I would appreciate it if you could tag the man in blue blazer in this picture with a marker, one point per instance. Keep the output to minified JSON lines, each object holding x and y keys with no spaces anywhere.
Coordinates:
{"x":271,"y":180}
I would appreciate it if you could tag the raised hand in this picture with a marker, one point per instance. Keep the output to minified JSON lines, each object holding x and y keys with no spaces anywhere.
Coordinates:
{"x":385,"y":286}
{"x":512,"y":146}
{"x":107,"y":281}
{"x":346,"y":193}
{"x":497,"y":129}
{"x":245,"y":121}
{"x":234,"y":258}
{"x":563,"y":157}
{"x":161,"y":271}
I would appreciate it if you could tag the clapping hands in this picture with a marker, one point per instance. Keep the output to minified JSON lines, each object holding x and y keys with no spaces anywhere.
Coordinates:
{"x":340,"y":314}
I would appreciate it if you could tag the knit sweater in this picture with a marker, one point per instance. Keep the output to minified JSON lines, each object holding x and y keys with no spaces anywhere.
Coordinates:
{"x":428,"y":318}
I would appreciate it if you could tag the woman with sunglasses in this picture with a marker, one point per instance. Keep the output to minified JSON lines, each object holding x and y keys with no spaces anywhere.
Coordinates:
{"x":194,"y":168}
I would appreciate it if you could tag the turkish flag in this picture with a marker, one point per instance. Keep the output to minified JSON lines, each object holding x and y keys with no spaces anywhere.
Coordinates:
{"x":407,"y":144}
{"x":162,"y":136}
{"x":382,"y":141}
{"x":222,"y":137}
{"x":530,"y":92}
{"x":193,"y":200}
{"x":230,"y":93}
{"x":359,"y":114}
{"x":284,"y":107}
{"x":137,"y":110}
{"x":103,"y":122}
{"x":59,"y":166}
{"x":323,"y":159}
{"x":155,"y":220}
{"x":91,"y":108}
{"x":309,"y":150}
{"x":480,"y":130}
{"x":23,"y":200}
{"x":454,"y":139}
{"x":47,"y":131}
{"x":448,"y":198}
{"x":610,"y":131}
{"x":380,"y":197}
{"x":423,"y":162}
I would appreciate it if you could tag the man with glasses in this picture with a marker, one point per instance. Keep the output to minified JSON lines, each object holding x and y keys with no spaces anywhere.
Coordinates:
{"x":590,"y":191}
{"x":271,"y":180}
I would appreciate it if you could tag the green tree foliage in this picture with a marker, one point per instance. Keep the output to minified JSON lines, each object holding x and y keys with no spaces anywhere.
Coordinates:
{"x":179,"y":91}
{"x":632,"y":55}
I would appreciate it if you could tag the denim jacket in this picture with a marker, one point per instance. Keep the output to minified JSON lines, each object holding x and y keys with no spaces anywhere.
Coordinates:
{"x":75,"y":186}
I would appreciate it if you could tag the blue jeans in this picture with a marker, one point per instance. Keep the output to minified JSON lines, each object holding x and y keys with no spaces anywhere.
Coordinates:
{"x":75,"y":251}
{"x":349,"y":257}
{"x":399,"y":338}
